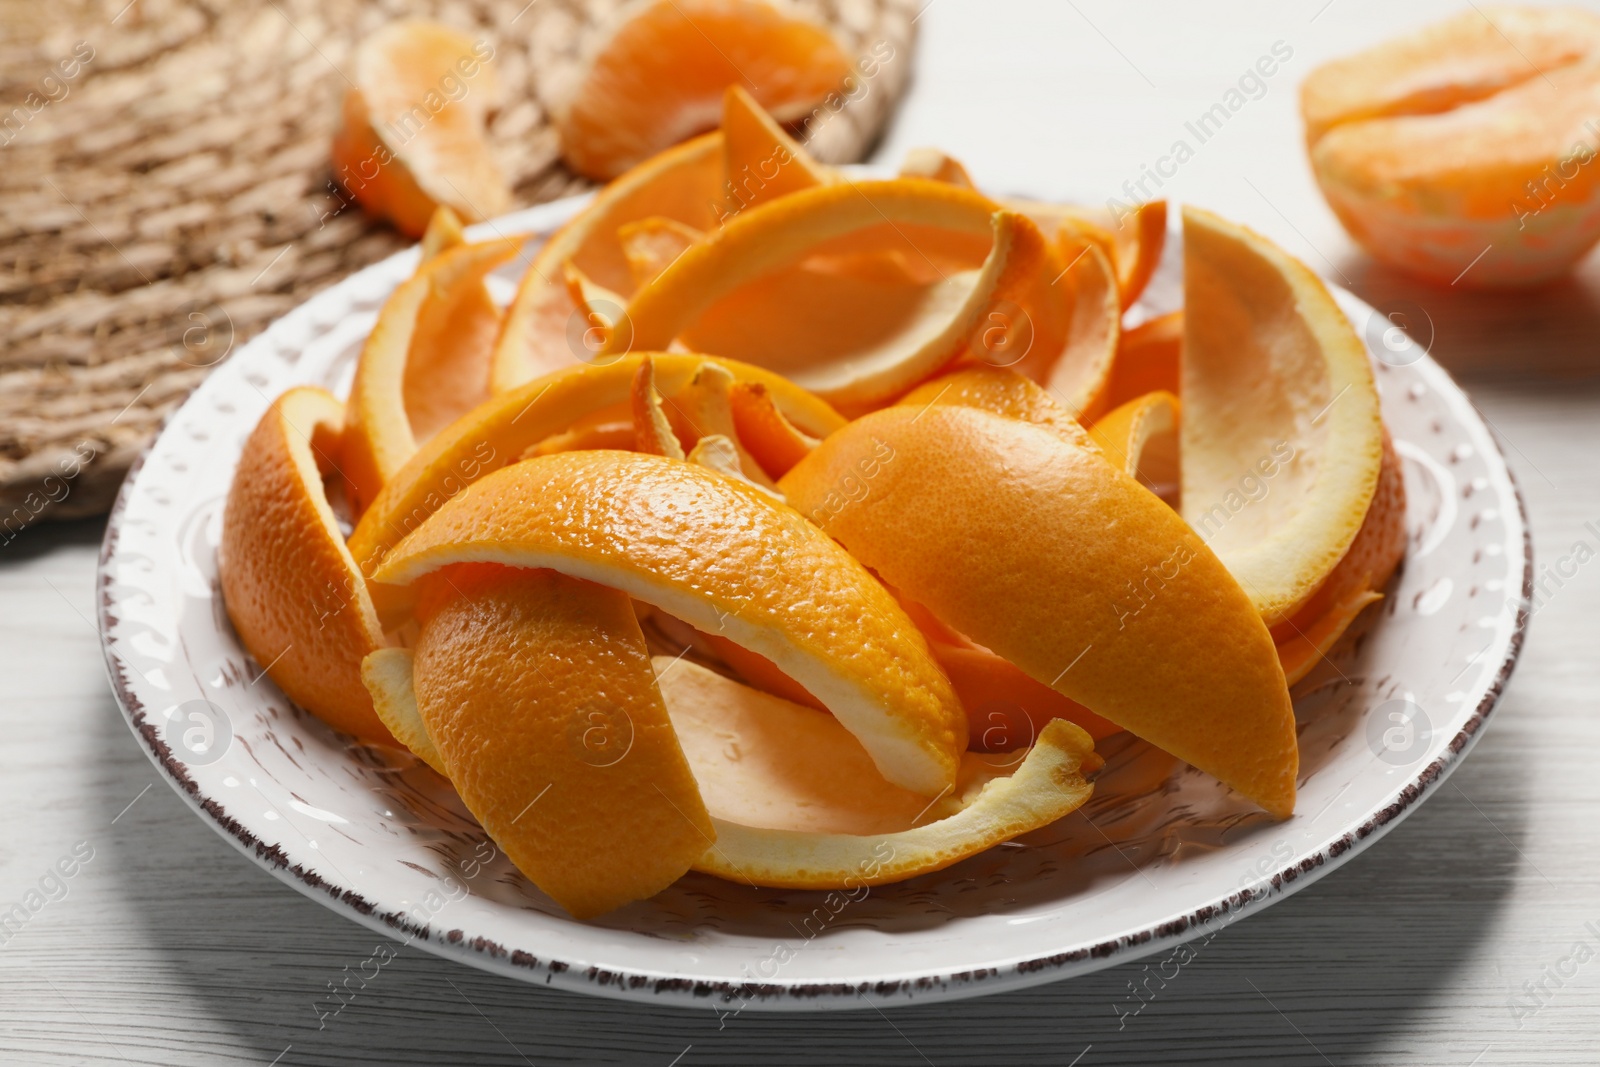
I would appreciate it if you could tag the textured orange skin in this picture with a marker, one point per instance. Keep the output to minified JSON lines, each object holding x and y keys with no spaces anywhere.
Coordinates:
{"x":762,"y":428}
{"x":1147,"y":360}
{"x":1133,"y":243}
{"x":444,"y":160}
{"x":538,"y":692}
{"x":1077,"y":316}
{"x":424,"y":363}
{"x":1039,"y":550}
{"x":1001,"y":391}
{"x":675,"y":535}
{"x":502,"y":429}
{"x":660,"y":75}
{"x":683,"y":184}
{"x":295,"y":597}
{"x":1463,"y":153}
{"x":1371,"y":560}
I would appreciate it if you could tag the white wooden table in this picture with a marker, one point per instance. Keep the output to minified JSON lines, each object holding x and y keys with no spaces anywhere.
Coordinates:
{"x":168,"y":947}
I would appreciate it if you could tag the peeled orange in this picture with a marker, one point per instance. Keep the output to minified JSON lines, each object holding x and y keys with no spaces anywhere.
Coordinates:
{"x":412,"y":138}
{"x":658,"y":74}
{"x":1464,"y":152}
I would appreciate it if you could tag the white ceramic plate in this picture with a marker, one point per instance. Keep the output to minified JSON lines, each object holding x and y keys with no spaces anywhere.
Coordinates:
{"x":1162,"y":854}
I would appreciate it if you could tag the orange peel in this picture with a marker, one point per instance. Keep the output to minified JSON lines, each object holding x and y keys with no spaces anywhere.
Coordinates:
{"x":412,"y":136}
{"x":1278,"y":490}
{"x":297,"y":600}
{"x":929,"y":326}
{"x":724,"y":557}
{"x":540,"y":333}
{"x":1116,"y":604}
{"x":424,"y":364}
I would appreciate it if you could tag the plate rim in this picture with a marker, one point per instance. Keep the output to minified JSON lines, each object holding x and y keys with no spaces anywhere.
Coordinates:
{"x":667,"y":989}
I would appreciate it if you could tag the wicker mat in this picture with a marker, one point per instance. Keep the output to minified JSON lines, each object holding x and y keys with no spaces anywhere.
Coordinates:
{"x":165,"y":193}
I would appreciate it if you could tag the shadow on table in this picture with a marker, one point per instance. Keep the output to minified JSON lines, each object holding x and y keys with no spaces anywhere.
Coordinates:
{"x":1548,"y":332}
{"x":1334,"y":972}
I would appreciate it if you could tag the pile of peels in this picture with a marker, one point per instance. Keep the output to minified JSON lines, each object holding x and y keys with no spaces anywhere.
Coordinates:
{"x":809,"y":531}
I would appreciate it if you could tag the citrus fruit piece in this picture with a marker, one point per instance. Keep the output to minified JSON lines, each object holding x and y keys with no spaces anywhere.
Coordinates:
{"x":935,"y":165}
{"x":537,"y":690}
{"x":502,"y":429}
{"x":1358,"y":579}
{"x":720,"y":294}
{"x":659,"y":73}
{"x":797,"y":803}
{"x":766,"y":433}
{"x":387,"y":675}
{"x":412,"y":137}
{"x":609,"y":433}
{"x":652,"y":432}
{"x":1461,"y":152}
{"x":424,"y":364}
{"x":726,"y":558}
{"x":1132,"y":238}
{"x":444,"y":232}
{"x":1003,"y":392}
{"x":703,"y":408}
{"x":1141,"y":437}
{"x":652,"y":244}
{"x":763,"y":162}
{"x":1147,"y":359}
{"x":1076,"y":300}
{"x":540,"y":333}
{"x":292,"y":589}
{"x":1462,"y":59}
{"x":1070,"y":570}
{"x":1277,"y":487}
{"x":1005,"y":708}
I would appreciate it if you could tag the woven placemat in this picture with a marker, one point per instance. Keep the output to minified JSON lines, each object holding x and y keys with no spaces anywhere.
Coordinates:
{"x":165,"y":193}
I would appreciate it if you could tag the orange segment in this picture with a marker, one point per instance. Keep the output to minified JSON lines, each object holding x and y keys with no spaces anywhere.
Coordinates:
{"x":660,"y":73}
{"x":541,"y":332}
{"x":424,"y":364}
{"x":1073,"y":572}
{"x":1147,"y":360}
{"x":796,"y":804}
{"x":763,"y":162}
{"x":1468,"y":57}
{"x":726,"y":558}
{"x":413,"y":132}
{"x":297,"y":601}
{"x":501,"y":430}
{"x":728,"y":295}
{"x":537,"y":691}
{"x":1461,"y":152}
{"x":1277,"y":487}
